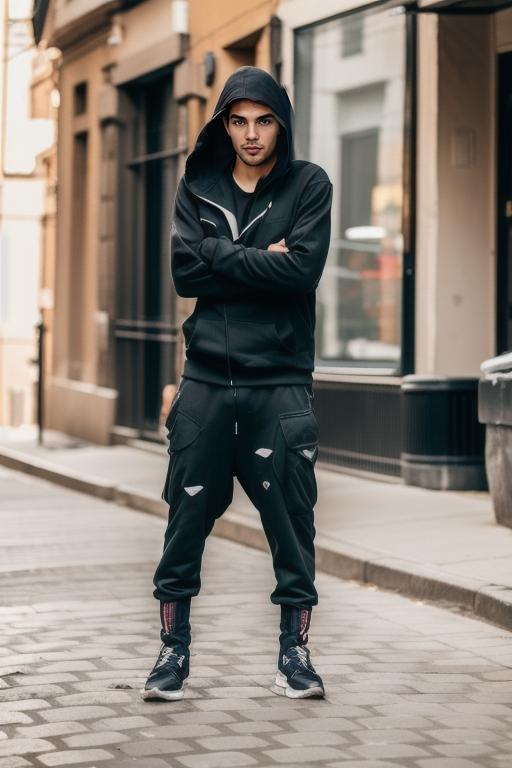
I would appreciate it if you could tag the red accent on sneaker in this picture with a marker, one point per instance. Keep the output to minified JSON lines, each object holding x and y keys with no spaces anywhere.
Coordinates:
{"x":304,"y":625}
{"x":166,"y":616}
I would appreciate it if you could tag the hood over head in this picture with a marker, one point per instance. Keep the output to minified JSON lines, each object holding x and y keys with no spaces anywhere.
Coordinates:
{"x":214,"y":151}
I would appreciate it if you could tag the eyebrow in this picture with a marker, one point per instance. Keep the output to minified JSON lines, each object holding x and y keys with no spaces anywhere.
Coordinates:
{"x":241,"y":117}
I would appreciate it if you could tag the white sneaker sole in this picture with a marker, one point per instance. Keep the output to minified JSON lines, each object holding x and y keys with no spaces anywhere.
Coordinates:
{"x":156,"y":693}
{"x":283,"y":689}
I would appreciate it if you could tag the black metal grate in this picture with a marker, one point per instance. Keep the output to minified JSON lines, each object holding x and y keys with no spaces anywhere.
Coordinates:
{"x":360,"y":425}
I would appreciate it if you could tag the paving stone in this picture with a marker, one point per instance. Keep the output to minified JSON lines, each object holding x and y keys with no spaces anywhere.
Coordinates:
{"x":388,"y":735}
{"x":74,"y":756}
{"x":226,"y":743}
{"x":274,"y":713}
{"x":50,"y":729}
{"x":35,"y":692}
{"x":363,"y":764}
{"x":180,"y":731}
{"x":23,"y":746}
{"x":99,"y":697}
{"x":401,"y":721}
{"x":67,"y":666}
{"x":202,"y":717}
{"x":154,"y":747}
{"x":95,"y":739}
{"x":11,"y":718}
{"x":13,"y":762}
{"x":76,"y":713}
{"x":448,"y":762}
{"x":309,"y":738}
{"x":145,"y":762}
{"x":257,"y":726}
{"x":24,"y":705}
{"x":50,"y":679}
{"x":389,"y":751}
{"x":308,"y":755}
{"x":463,"y":750}
{"x":329,"y":724}
{"x":463,"y":735}
{"x":217,"y":760}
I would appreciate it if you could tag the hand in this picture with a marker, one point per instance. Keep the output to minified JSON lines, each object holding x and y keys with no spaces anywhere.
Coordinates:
{"x":280,"y":246}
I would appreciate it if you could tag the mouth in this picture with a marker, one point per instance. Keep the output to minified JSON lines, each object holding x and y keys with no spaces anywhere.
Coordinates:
{"x":252,"y":150}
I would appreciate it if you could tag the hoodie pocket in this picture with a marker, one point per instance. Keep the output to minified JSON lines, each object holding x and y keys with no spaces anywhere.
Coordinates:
{"x":207,"y":340}
{"x":259,"y":345}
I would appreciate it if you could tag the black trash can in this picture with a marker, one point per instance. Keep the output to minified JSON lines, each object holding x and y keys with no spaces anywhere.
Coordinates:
{"x":442,"y":440}
{"x":495,"y":411}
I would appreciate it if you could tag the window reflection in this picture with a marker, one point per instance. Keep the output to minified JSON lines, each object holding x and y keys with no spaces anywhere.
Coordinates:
{"x":349,"y":103}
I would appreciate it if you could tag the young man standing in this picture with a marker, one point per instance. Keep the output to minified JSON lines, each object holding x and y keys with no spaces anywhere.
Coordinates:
{"x":249,"y":239}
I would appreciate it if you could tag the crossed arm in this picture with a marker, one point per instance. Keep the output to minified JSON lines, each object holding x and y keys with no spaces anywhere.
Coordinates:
{"x":218,"y":268}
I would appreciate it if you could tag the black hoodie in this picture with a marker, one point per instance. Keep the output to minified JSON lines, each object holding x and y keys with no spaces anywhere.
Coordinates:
{"x":254,"y":319}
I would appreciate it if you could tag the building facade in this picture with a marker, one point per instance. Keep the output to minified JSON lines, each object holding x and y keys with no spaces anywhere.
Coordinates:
{"x":405,"y":104}
{"x":398,"y":102}
{"x":137,"y":79}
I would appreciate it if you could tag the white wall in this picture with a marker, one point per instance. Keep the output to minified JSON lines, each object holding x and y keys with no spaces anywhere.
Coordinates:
{"x":21,"y":209}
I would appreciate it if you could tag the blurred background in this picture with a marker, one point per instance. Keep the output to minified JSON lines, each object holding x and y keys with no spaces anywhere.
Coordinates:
{"x":407,"y":106}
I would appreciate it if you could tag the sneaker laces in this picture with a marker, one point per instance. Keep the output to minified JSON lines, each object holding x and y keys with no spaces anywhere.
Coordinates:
{"x":167,"y":652}
{"x":301,"y":654}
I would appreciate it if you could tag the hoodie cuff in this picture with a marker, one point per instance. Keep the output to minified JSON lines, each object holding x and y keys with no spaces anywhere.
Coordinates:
{"x":207,"y":249}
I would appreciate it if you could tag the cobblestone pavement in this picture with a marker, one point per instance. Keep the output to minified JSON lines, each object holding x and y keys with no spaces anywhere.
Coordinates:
{"x":409,"y":685}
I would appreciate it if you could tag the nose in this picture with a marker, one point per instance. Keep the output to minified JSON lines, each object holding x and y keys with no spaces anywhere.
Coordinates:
{"x":251,"y":133}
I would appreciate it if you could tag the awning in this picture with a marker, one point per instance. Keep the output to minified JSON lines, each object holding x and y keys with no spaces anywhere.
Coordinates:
{"x":463,"y":6}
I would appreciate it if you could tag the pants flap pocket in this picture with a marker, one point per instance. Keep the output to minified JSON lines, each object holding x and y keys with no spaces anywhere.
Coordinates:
{"x":184,"y":431}
{"x":300,"y":430}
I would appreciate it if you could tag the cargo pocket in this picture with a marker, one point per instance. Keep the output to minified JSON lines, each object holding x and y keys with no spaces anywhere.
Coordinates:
{"x":183,"y":431}
{"x":294,"y":461}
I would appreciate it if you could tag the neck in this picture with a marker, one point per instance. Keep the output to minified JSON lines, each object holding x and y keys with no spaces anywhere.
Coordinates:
{"x":247,"y":176}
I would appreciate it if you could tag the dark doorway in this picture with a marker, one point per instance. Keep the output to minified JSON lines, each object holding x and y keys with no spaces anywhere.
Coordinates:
{"x":77,"y":282}
{"x":146,"y":333}
{"x":504,"y":203}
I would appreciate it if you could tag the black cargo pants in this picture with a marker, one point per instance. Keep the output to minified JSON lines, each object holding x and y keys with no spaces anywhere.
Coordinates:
{"x":266,"y":436}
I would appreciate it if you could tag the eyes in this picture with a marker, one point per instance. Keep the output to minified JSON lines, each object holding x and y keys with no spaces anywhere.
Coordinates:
{"x":261,"y":121}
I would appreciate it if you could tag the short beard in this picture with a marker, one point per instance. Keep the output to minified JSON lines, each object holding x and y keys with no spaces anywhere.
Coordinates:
{"x":270,"y":157}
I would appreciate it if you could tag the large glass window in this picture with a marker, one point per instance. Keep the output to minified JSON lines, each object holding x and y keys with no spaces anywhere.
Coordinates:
{"x":349,"y":103}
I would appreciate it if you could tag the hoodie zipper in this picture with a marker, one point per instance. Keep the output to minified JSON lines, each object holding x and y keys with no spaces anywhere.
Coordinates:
{"x":233,"y":226}
{"x":230,"y":375}
{"x":256,"y":218}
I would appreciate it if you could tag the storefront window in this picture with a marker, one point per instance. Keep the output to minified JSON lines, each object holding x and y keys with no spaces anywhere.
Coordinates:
{"x":349,"y":103}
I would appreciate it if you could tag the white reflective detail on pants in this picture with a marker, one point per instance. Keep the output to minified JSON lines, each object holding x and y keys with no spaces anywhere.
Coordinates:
{"x":309,"y":453}
{"x":193,"y":489}
{"x":266,"y":485}
{"x":265,"y":452}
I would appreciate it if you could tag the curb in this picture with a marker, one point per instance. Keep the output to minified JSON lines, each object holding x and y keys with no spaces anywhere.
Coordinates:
{"x":490,"y":602}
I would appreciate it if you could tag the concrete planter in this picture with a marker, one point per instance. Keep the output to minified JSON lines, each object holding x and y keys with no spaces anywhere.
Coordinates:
{"x":495,"y":411}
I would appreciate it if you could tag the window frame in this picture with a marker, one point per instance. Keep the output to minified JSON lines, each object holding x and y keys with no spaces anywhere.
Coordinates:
{"x":409,"y":134}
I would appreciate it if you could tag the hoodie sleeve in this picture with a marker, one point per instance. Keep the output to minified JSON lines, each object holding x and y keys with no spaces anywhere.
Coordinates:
{"x":297,"y":271}
{"x":192,"y":275}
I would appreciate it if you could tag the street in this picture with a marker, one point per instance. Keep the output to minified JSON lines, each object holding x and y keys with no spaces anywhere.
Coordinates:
{"x":408,"y":684}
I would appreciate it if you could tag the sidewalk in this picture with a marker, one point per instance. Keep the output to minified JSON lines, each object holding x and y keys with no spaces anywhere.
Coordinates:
{"x":409,"y":685}
{"x":440,"y":546}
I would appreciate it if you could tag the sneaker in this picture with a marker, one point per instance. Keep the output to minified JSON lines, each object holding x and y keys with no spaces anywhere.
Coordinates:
{"x":296,"y":675}
{"x":168,"y":677}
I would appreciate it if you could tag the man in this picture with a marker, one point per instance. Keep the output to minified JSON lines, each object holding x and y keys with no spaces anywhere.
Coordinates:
{"x":249,"y":239}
